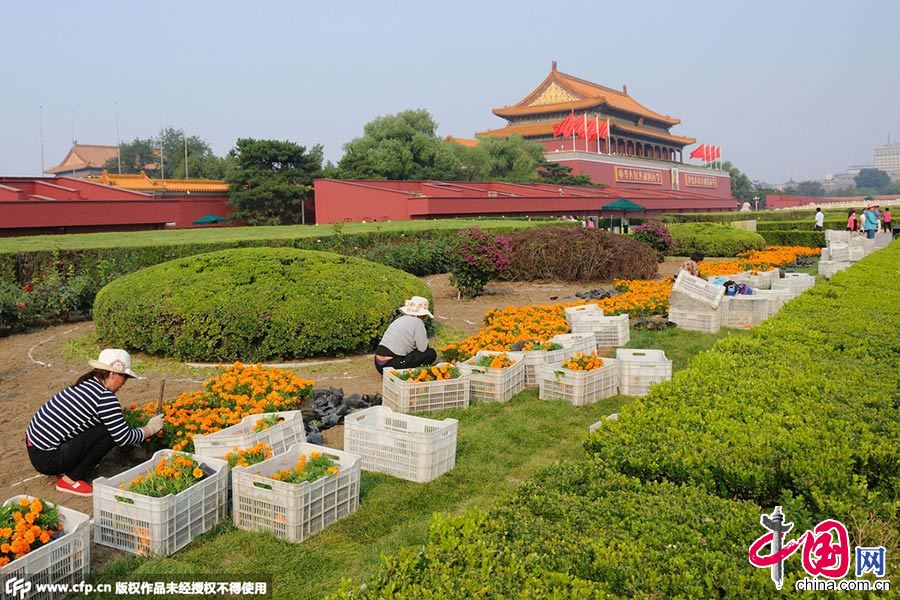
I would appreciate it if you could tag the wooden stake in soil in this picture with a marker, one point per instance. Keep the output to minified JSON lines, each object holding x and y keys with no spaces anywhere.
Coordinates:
{"x":162,"y":390}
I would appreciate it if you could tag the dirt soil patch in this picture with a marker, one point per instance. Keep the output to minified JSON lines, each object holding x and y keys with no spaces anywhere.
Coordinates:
{"x":33,"y":367}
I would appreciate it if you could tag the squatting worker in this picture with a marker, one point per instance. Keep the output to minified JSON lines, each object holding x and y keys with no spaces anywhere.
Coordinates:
{"x":405,"y":342}
{"x":72,"y":432}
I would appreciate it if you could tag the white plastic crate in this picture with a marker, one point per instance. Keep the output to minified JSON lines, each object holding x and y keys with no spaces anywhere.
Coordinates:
{"x":412,"y":448}
{"x":742,"y":311}
{"x":836,"y":235}
{"x":776,"y":298}
{"x":294,"y":511}
{"x":494,"y":385}
{"x":639,"y":369}
{"x":840,"y":252}
{"x":64,"y":560}
{"x":828,"y":268}
{"x":579,"y":387}
{"x":574,"y":314}
{"x":536,"y":358}
{"x":609,"y":332}
{"x":786,"y":286}
{"x":580,"y":342}
{"x":241,"y":436}
{"x":857,"y":253}
{"x":825,"y":254}
{"x":429,"y":396}
{"x":695,"y":293}
{"x":158,"y":526}
{"x":707,"y":321}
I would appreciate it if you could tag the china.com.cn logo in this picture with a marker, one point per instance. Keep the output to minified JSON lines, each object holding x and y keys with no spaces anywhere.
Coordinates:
{"x":17,"y":587}
{"x":825,"y":550}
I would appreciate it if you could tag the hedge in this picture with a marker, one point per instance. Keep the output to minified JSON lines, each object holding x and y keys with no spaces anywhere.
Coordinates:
{"x":805,"y":215}
{"x":253,"y":304}
{"x":582,"y":531}
{"x":712,"y":239}
{"x":802,"y":412}
{"x":810,"y":239}
{"x":578,"y":254}
{"x":805,"y":225}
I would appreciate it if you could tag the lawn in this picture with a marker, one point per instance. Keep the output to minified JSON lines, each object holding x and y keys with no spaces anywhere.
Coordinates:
{"x":499,"y":446}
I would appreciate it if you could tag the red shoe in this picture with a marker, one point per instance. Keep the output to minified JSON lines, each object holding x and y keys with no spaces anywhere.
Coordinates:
{"x":79,"y":488}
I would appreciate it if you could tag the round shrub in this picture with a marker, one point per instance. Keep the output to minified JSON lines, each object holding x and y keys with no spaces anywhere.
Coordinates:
{"x":656,"y":235}
{"x":577,"y":254}
{"x":712,"y":239}
{"x":253,"y":304}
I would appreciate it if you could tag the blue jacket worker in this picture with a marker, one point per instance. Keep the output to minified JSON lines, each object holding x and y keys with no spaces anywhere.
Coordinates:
{"x":405,"y":342}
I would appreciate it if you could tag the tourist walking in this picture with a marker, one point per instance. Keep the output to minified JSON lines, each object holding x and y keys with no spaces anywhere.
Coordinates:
{"x":870,"y":222}
{"x":886,"y":223}
{"x":72,"y":432}
{"x":820,"y":220}
{"x":404,"y":344}
{"x":851,"y":221}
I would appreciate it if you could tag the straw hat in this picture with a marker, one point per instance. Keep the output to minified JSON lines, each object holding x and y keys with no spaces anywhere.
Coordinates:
{"x":115,"y":361}
{"x":417,"y":306}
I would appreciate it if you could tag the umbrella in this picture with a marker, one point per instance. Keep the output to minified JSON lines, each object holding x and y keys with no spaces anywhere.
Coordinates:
{"x":626,"y":206}
{"x":209,"y":220}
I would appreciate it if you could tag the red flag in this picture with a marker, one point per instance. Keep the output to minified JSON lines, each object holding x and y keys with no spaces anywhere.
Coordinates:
{"x":718,"y":152}
{"x":563,"y":128}
{"x":698,"y":151}
{"x":707,"y":153}
{"x":579,"y":128}
{"x":603,"y":130}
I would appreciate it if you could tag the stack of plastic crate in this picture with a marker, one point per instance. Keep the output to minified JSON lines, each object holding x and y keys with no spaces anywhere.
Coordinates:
{"x":576,"y":313}
{"x":640,"y":369}
{"x":609,"y":332}
{"x":694,"y":303}
{"x":776,"y":298}
{"x":412,"y":448}
{"x":579,"y":387}
{"x":799,"y":282}
{"x":424,"y":396}
{"x":488,"y":384}
{"x":159,"y":526}
{"x":580,"y":342}
{"x":744,"y":311}
{"x":65,"y":560}
{"x":295,"y":511}
{"x":534,"y":359}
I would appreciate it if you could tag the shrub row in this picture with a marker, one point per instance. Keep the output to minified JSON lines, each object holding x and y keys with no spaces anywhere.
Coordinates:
{"x":805,"y":225}
{"x":805,"y":215}
{"x":802,"y":412}
{"x":577,"y":254}
{"x":253,"y":304}
{"x":810,"y":239}
{"x":713,"y":239}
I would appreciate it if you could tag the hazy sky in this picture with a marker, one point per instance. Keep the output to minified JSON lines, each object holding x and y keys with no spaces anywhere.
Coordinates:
{"x":788,"y":89}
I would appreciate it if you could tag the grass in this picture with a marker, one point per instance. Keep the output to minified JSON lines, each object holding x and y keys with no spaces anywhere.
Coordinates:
{"x":82,"y":241}
{"x":498,"y":447}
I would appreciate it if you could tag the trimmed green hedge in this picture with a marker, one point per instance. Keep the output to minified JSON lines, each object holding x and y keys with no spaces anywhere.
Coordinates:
{"x":712,"y":239}
{"x":802,"y":412}
{"x":805,"y":215}
{"x":805,"y":225}
{"x":811,"y":239}
{"x":253,"y":304}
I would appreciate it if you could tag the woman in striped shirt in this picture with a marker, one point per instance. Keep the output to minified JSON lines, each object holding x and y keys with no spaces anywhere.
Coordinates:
{"x":72,"y":432}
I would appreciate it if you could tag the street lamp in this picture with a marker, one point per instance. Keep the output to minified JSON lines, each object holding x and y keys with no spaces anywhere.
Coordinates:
{"x":755,"y":203}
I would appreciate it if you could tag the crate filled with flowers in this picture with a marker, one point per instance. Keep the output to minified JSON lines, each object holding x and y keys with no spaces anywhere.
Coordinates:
{"x":581,"y":379}
{"x":425,"y":389}
{"x":298,"y":493}
{"x":536,"y":353}
{"x":43,"y":543}
{"x":159,"y":506}
{"x":494,"y":376}
{"x":405,"y":446}
{"x":279,"y":430}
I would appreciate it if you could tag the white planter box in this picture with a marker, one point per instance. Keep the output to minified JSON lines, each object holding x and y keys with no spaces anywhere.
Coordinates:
{"x":579,"y":387}
{"x":641,"y":369}
{"x":609,"y":332}
{"x":707,"y":321}
{"x":158,"y":526}
{"x":412,"y":448}
{"x":64,"y":560}
{"x":241,"y":436}
{"x":742,"y":311}
{"x":294,"y":511}
{"x":494,"y":385}
{"x":694,"y":293}
{"x":429,"y":396}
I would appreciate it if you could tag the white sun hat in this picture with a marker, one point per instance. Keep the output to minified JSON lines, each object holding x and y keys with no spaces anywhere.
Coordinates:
{"x":114,"y":360}
{"x":417,"y":306}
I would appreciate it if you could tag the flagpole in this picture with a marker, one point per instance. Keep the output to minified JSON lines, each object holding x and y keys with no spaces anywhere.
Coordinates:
{"x":118,"y":140}
{"x":597,"y":127}
{"x":41,"y":118}
{"x":585,"y":133}
{"x":573,"y":131}
{"x":608,"y":136}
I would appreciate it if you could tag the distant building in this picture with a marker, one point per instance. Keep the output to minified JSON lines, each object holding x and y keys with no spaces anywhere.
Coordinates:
{"x":140,"y":182}
{"x":887,"y":159}
{"x":84,"y":160}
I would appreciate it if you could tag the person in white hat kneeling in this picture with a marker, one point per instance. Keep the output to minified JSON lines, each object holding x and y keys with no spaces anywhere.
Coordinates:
{"x":404,"y":344}
{"x":71,"y":433}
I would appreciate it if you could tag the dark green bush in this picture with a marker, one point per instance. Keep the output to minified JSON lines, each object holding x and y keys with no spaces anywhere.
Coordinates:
{"x":577,"y":254}
{"x":712,"y":239}
{"x":811,"y":239}
{"x":582,"y":531}
{"x":253,"y":304}
{"x":806,"y":225}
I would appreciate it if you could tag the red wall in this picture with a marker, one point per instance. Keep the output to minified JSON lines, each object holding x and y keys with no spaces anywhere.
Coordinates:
{"x":334,"y":203}
{"x":603,"y":172}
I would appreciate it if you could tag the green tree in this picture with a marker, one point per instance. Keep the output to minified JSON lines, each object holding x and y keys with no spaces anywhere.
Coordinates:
{"x":401,"y":146}
{"x":551,"y":172}
{"x":512,"y":159}
{"x":135,"y":156}
{"x":741,"y":186}
{"x":872,"y":178}
{"x":270,"y":180}
{"x":141,"y":153}
{"x":810,"y":188}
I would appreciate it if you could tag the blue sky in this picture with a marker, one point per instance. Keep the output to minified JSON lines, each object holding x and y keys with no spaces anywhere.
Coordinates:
{"x":788,"y":89}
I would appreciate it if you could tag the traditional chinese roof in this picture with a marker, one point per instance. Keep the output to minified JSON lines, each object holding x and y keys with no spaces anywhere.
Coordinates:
{"x":545,"y":128}
{"x":560,"y":92}
{"x":468,"y":142}
{"x":141,"y":182}
{"x":84,"y":156}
